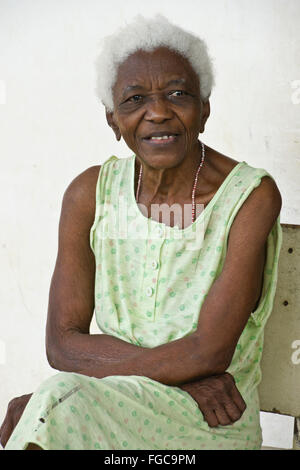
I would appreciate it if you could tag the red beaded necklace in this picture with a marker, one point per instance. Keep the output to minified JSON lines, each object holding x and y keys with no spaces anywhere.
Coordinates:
{"x":194,"y":186}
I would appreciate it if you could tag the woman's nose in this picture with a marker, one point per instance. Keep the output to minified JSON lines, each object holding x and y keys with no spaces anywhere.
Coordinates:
{"x":158,"y":110}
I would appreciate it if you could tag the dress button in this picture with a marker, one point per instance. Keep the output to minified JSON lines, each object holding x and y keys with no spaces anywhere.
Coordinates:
{"x":159,"y":231}
{"x":154,"y":264}
{"x":149,"y":291}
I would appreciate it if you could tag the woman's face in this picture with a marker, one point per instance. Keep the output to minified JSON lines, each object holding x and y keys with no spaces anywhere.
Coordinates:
{"x":157,"y":95}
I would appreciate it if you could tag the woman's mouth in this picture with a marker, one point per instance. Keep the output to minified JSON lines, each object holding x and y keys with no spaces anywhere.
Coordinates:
{"x":161,"y":140}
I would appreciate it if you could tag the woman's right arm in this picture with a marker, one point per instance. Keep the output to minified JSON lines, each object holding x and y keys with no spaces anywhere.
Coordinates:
{"x":69,"y":346}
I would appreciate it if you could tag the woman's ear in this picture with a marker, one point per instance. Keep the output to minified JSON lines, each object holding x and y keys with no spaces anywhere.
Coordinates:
{"x":111,"y":122}
{"x":205,"y":115}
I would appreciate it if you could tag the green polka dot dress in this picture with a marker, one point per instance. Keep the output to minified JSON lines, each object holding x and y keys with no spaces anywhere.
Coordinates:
{"x":151,"y":280}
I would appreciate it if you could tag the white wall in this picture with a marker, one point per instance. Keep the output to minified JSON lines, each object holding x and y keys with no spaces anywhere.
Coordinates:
{"x":52,"y":128}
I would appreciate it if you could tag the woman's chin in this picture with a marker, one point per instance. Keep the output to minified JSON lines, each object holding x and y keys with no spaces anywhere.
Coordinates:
{"x":162,"y":155}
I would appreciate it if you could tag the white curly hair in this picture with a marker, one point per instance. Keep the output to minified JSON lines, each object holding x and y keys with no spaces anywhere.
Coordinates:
{"x":148,"y":34}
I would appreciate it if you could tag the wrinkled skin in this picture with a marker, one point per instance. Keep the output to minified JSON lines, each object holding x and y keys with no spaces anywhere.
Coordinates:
{"x":218,"y":399}
{"x":160,"y":92}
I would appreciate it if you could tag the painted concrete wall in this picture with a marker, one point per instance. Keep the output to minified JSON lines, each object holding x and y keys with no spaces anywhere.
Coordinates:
{"x":52,"y":128}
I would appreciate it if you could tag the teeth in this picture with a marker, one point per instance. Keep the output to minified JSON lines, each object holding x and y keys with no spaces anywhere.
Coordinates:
{"x":165,"y":137}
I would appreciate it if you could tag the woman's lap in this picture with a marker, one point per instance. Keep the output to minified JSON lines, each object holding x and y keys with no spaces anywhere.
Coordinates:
{"x":73,"y":411}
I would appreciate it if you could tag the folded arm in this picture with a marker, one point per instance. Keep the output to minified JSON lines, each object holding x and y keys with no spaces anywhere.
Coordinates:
{"x":224,"y":313}
{"x":230,"y":300}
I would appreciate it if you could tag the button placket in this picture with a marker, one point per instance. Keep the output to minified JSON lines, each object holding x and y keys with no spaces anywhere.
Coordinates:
{"x":151,"y":279}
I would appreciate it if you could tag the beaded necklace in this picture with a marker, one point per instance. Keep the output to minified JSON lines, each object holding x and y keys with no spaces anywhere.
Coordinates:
{"x":194,"y":186}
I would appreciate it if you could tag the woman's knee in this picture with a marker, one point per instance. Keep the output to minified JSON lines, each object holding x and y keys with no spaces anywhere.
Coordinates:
{"x":60,"y":382}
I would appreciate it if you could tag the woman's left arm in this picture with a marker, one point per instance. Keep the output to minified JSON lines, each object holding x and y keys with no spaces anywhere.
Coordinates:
{"x":229,"y":303}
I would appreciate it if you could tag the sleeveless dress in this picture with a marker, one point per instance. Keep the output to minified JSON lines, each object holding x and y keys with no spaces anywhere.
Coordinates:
{"x":149,"y":288}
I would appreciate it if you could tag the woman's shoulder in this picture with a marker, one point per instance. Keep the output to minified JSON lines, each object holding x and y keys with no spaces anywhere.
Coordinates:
{"x":264,"y":184}
{"x":83,"y":183}
{"x":221,"y":166}
{"x":81,"y":191}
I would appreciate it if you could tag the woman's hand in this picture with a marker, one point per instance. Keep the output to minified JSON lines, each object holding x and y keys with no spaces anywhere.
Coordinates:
{"x":218,"y":398}
{"x":14,"y":412}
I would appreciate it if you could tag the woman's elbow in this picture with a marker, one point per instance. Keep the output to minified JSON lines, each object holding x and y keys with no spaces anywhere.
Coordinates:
{"x":53,"y":356}
{"x":63,"y":353}
{"x":55,"y":351}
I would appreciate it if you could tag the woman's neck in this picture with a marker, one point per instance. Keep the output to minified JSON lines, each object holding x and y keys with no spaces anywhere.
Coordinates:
{"x":168,"y":185}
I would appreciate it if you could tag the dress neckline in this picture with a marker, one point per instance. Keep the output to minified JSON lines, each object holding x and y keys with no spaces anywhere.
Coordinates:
{"x":175,"y":228}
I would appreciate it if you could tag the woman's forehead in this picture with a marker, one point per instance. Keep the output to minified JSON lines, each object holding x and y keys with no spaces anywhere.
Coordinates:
{"x":162,"y":65}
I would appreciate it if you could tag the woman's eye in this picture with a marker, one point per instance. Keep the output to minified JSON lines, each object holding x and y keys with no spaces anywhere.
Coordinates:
{"x":178,"y":93}
{"x":135,"y":98}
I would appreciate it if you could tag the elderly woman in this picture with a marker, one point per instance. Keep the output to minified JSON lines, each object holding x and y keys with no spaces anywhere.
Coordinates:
{"x":182,"y":305}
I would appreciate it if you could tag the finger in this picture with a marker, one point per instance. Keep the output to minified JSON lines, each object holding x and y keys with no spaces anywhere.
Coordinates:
{"x":210,"y":417}
{"x":222,"y":416}
{"x":238,"y":399}
{"x":233,"y":411}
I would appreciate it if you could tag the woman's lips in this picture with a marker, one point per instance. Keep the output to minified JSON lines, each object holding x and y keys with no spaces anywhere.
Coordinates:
{"x":161,"y":141}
